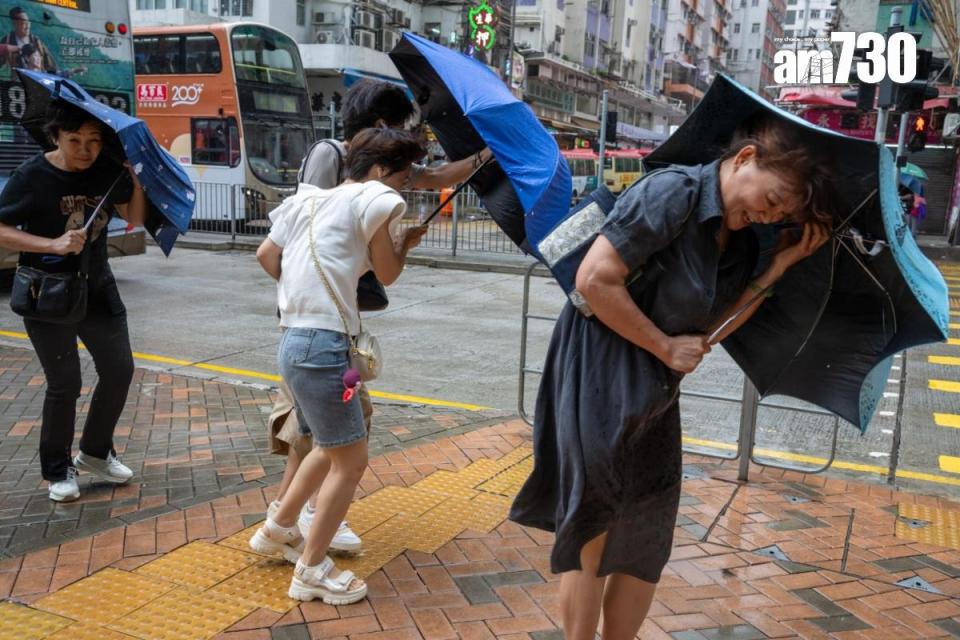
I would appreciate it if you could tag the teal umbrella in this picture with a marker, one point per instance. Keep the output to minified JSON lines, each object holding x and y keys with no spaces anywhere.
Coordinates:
{"x":914,"y":171}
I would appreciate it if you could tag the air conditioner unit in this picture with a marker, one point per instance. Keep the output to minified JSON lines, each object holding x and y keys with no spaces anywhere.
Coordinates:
{"x":390,"y":40}
{"x":366,"y":39}
{"x":326,"y":36}
{"x":406,"y":23}
{"x":364,"y":19}
{"x":395,"y":16}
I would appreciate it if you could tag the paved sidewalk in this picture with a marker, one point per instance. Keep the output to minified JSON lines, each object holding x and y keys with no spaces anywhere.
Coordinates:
{"x":785,"y":556}
{"x":188,"y":441}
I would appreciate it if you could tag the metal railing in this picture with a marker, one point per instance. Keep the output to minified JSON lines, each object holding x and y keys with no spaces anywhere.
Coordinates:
{"x":463,"y":225}
{"x":749,"y":401}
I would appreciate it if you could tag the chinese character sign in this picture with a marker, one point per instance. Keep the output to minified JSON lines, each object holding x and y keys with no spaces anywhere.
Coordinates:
{"x":483,"y":25}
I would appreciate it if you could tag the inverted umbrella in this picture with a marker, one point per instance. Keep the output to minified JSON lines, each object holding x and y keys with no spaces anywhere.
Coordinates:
{"x":170,"y":194}
{"x":829,"y":334}
{"x":468,"y":108}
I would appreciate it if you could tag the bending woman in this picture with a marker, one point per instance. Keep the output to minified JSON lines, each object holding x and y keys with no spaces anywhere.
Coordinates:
{"x":349,"y":228}
{"x":607,"y":443}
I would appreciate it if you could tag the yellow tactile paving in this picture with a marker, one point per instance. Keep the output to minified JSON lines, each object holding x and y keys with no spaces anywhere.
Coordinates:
{"x":376,"y":553}
{"x":945,"y":360}
{"x":364,"y":516}
{"x":105,"y":596}
{"x":409,"y":501}
{"x":183,"y":614}
{"x":942,"y":528}
{"x":940,"y":536}
{"x":509,"y":482}
{"x":947,"y":420}
{"x":241,"y":539}
{"x":83,"y":631}
{"x":944,"y":385}
{"x":23,"y":623}
{"x":199,"y":564}
{"x":950,"y":464}
{"x":397,"y":530}
{"x":941,"y":517}
{"x":448,"y":483}
{"x":265,"y":584}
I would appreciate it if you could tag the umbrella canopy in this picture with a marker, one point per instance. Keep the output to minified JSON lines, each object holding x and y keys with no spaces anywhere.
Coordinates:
{"x":829,"y":333}
{"x":468,"y":107}
{"x":914,"y":171}
{"x":170,"y":193}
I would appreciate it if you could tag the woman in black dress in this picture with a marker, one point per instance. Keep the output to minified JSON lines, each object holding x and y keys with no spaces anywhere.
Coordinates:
{"x":607,"y":437}
{"x":43,"y":209}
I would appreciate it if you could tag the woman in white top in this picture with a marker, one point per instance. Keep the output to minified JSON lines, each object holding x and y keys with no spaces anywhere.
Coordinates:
{"x":350,"y":227}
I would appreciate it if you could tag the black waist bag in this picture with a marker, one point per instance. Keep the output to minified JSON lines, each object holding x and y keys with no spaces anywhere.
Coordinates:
{"x":59,"y":298}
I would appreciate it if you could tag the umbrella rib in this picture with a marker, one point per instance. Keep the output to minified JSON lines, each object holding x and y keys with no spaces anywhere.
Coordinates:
{"x":876,"y":281}
{"x":856,"y":210}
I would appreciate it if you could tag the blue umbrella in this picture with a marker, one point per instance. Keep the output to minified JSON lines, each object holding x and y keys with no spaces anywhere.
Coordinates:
{"x":829,"y":333}
{"x":468,"y":108}
{"x":170,"y":193}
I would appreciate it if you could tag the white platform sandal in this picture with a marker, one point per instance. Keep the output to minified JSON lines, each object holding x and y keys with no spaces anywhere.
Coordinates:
{"x":271,"y":539}
{"x":310,"y":583}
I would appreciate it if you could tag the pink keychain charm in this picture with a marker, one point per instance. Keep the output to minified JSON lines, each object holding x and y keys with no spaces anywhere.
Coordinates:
{"x":351,"y":382}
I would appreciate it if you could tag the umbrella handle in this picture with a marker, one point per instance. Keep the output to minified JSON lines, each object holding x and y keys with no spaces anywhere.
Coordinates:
{"x":453,"y":195}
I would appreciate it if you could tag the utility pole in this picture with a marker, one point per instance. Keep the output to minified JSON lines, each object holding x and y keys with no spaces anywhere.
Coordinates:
{"x":603,"y":138}
{"x":510,"y":37}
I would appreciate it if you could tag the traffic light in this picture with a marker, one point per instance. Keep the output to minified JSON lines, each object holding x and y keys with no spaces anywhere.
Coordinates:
{"x":918,"y":136}
{"x":316,"y":101}
{"x":610,"y":135}
{"x":337,"y":99}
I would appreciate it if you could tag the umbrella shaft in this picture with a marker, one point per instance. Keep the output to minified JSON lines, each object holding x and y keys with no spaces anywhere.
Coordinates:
{"x":453,"y":195}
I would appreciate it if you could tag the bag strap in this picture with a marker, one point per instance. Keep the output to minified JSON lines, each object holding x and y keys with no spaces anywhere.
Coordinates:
{"x":323,"y":277}
{"x":306,"y":159}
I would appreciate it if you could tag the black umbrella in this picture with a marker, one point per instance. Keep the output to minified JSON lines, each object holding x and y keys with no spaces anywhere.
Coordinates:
{"x":829,"y":334}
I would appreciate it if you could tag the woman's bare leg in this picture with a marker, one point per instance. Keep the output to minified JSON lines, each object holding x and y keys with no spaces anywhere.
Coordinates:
{"x":581,"y":593}
{"x":626,"y":601}
{"x":293,"y":463}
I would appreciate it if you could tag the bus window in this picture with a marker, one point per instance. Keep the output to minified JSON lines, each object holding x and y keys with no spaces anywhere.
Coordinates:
{"x":628,"y":165}
{"x":202,"y":53}
{"x":260,"y":56}
{"x":157,"y":54}
{"x":607,"y":163}
{"x":215,"y":141}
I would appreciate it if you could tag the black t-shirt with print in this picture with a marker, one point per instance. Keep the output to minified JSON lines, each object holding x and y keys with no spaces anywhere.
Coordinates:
{"x":46,"y":201}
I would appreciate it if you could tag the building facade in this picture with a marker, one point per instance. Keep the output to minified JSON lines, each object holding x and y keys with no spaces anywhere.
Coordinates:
{"x":756,"y":33}
{"x":563,"y":64}
{"x":695,"y":44}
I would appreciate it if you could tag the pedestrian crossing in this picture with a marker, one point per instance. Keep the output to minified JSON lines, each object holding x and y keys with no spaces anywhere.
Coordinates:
{"x":950,"y":381}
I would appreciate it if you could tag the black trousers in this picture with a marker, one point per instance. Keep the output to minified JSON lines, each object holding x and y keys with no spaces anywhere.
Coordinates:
{"x":105,"y":337}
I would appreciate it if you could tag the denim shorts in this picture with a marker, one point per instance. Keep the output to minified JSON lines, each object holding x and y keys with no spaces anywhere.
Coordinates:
{"x":312,"y":363}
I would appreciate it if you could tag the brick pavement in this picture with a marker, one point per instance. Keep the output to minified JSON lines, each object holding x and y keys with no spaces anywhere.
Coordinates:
{"x":784,"y":556}
{"x":188,"y":441}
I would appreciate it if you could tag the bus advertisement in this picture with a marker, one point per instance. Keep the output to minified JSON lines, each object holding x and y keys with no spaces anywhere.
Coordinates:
{"x":229,"y":101}
{"x":88,"y":41}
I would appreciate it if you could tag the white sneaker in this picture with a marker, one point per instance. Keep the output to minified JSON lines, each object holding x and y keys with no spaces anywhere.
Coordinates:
{"x":111,"y":469}
{"x":344,"y":541}
{"x":65,"y":490}
{"x":271,"y":539}
{"x":315,"y":582}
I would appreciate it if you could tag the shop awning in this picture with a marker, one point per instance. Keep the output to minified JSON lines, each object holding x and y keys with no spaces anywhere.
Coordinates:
{"x":639,"y":133}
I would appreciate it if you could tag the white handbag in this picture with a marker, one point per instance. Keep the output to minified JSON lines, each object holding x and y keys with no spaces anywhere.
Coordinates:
{"x":365,"y":354}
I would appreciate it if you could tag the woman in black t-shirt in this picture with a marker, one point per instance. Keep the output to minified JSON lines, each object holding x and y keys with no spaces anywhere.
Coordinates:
{"x":43,"y":210}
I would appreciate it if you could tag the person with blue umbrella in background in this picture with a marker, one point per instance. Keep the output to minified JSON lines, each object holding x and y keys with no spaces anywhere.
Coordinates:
{"x":54,"y":210}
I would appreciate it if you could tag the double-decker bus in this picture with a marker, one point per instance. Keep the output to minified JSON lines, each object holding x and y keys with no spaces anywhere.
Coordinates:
{"x":583,"y":170}
{"x":88,"y":41}
{"x":230,"y":102}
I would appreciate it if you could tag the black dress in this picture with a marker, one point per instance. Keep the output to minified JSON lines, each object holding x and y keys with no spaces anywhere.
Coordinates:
{"x":607,"y":446}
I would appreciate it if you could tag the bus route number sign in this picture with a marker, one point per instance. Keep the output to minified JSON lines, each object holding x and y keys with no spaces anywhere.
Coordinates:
{"x":13,"y":100}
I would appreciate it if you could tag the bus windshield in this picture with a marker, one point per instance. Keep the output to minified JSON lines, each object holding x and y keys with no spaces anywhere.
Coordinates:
{"x":264,"y":55}
{"x":272,"y":92}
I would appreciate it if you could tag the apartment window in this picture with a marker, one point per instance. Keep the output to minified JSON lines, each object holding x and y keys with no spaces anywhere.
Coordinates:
{"x":800,"y":14}
{"x":749,"y":54}
{"x":828,"y":13}
{"x":238,"y":8}
{"x":736,"y":54}
{"x":791,"y":2}
{"x":754,"y":3}
{"x":755,"y":27}
{"x":788,"y":33}
{"x":814,"y":14}
{"x":791,"y":16}
{"x":758,"y":53}
{"x":301,"y":12}
{"x":151,"y":4}
{"x":736,"y":27}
